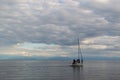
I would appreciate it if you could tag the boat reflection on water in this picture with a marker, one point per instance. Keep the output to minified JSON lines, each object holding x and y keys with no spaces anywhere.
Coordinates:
{"x":78,"y":73}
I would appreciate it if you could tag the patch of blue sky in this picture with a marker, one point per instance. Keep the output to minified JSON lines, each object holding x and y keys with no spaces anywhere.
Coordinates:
{"x":34,"y":46}
{"x":61,"y":1}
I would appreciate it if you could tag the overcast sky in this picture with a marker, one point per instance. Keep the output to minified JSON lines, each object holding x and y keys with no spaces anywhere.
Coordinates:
{"x":50,"y":28}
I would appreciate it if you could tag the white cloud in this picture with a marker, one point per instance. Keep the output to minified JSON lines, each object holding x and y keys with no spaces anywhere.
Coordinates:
{"x":34,"y":49}
{"x":102,"y":1}
{"x":111,"y":40}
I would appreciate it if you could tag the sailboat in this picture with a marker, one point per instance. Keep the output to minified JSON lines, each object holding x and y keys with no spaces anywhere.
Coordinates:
{"x":79,"y":61}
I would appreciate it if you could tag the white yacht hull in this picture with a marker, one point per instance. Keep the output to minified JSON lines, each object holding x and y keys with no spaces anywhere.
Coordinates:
{"x":76,"y":65}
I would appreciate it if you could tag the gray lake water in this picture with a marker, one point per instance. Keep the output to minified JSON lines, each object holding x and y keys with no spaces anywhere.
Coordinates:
{"x":59,"y":70}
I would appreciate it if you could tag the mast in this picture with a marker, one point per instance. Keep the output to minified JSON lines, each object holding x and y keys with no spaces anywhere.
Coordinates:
{"x":80,"y":56}
{"x":78,"y":49}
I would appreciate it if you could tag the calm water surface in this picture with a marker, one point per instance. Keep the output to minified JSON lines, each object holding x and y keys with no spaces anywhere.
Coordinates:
{"x":59,"y":70}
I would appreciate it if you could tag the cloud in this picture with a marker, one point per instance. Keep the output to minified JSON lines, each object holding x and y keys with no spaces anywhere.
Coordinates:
{"x":25,"y":19}
{"x":105,"y":9}
{"x":35,"y":50}
{"x":102,"y":46}
{"x":59,"y":22}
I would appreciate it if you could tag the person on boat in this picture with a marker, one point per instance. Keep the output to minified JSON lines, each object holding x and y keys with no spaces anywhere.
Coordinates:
{"x":78,"y":60}
{"x":74,"y":61}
